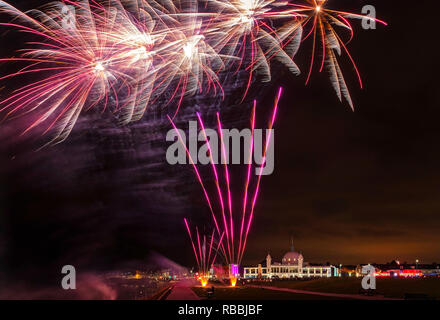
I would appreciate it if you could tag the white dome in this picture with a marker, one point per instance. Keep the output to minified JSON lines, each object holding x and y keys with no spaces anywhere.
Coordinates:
{"x":292,"y":257}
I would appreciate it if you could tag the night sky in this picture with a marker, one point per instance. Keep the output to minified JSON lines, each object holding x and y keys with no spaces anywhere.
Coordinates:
{"x":351,"y":187}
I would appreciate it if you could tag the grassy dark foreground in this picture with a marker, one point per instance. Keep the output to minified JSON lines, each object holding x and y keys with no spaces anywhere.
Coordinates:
{"x":246,"y":293}
{"x":388,"y":287}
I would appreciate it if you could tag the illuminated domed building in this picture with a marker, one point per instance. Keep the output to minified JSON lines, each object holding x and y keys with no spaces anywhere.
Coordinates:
{"x":293,"y":258}
{"x":291,"y":266}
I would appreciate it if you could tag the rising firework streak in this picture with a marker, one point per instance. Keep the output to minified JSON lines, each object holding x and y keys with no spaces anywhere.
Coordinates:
{"x":231,"y":218}
{"x":204,"y":253}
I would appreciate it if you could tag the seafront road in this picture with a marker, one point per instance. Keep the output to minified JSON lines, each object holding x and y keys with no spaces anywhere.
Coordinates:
{"x":182,"y":291}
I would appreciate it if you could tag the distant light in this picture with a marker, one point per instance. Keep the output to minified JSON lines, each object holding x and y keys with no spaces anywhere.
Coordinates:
{"x":318,"y":8}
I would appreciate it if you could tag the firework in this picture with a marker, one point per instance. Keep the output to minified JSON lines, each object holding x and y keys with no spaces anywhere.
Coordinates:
{"x":234,"y":224}
{"x":323,"y":22}
{"x":248,"y":34}
{"x":136,"y":54}
{"x":203,"y":252}
{"x":80,"y":67}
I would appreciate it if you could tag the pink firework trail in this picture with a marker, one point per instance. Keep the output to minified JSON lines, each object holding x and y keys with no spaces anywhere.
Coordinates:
{"x":240,"y":223}
{"x":204,"y":252}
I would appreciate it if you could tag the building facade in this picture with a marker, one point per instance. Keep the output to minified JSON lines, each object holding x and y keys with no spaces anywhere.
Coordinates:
{"x":291,"y":266}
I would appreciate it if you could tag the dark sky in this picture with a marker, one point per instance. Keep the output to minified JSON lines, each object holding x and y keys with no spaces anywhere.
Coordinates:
{"x":362,"y":186}
{"x":351,"y":187}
